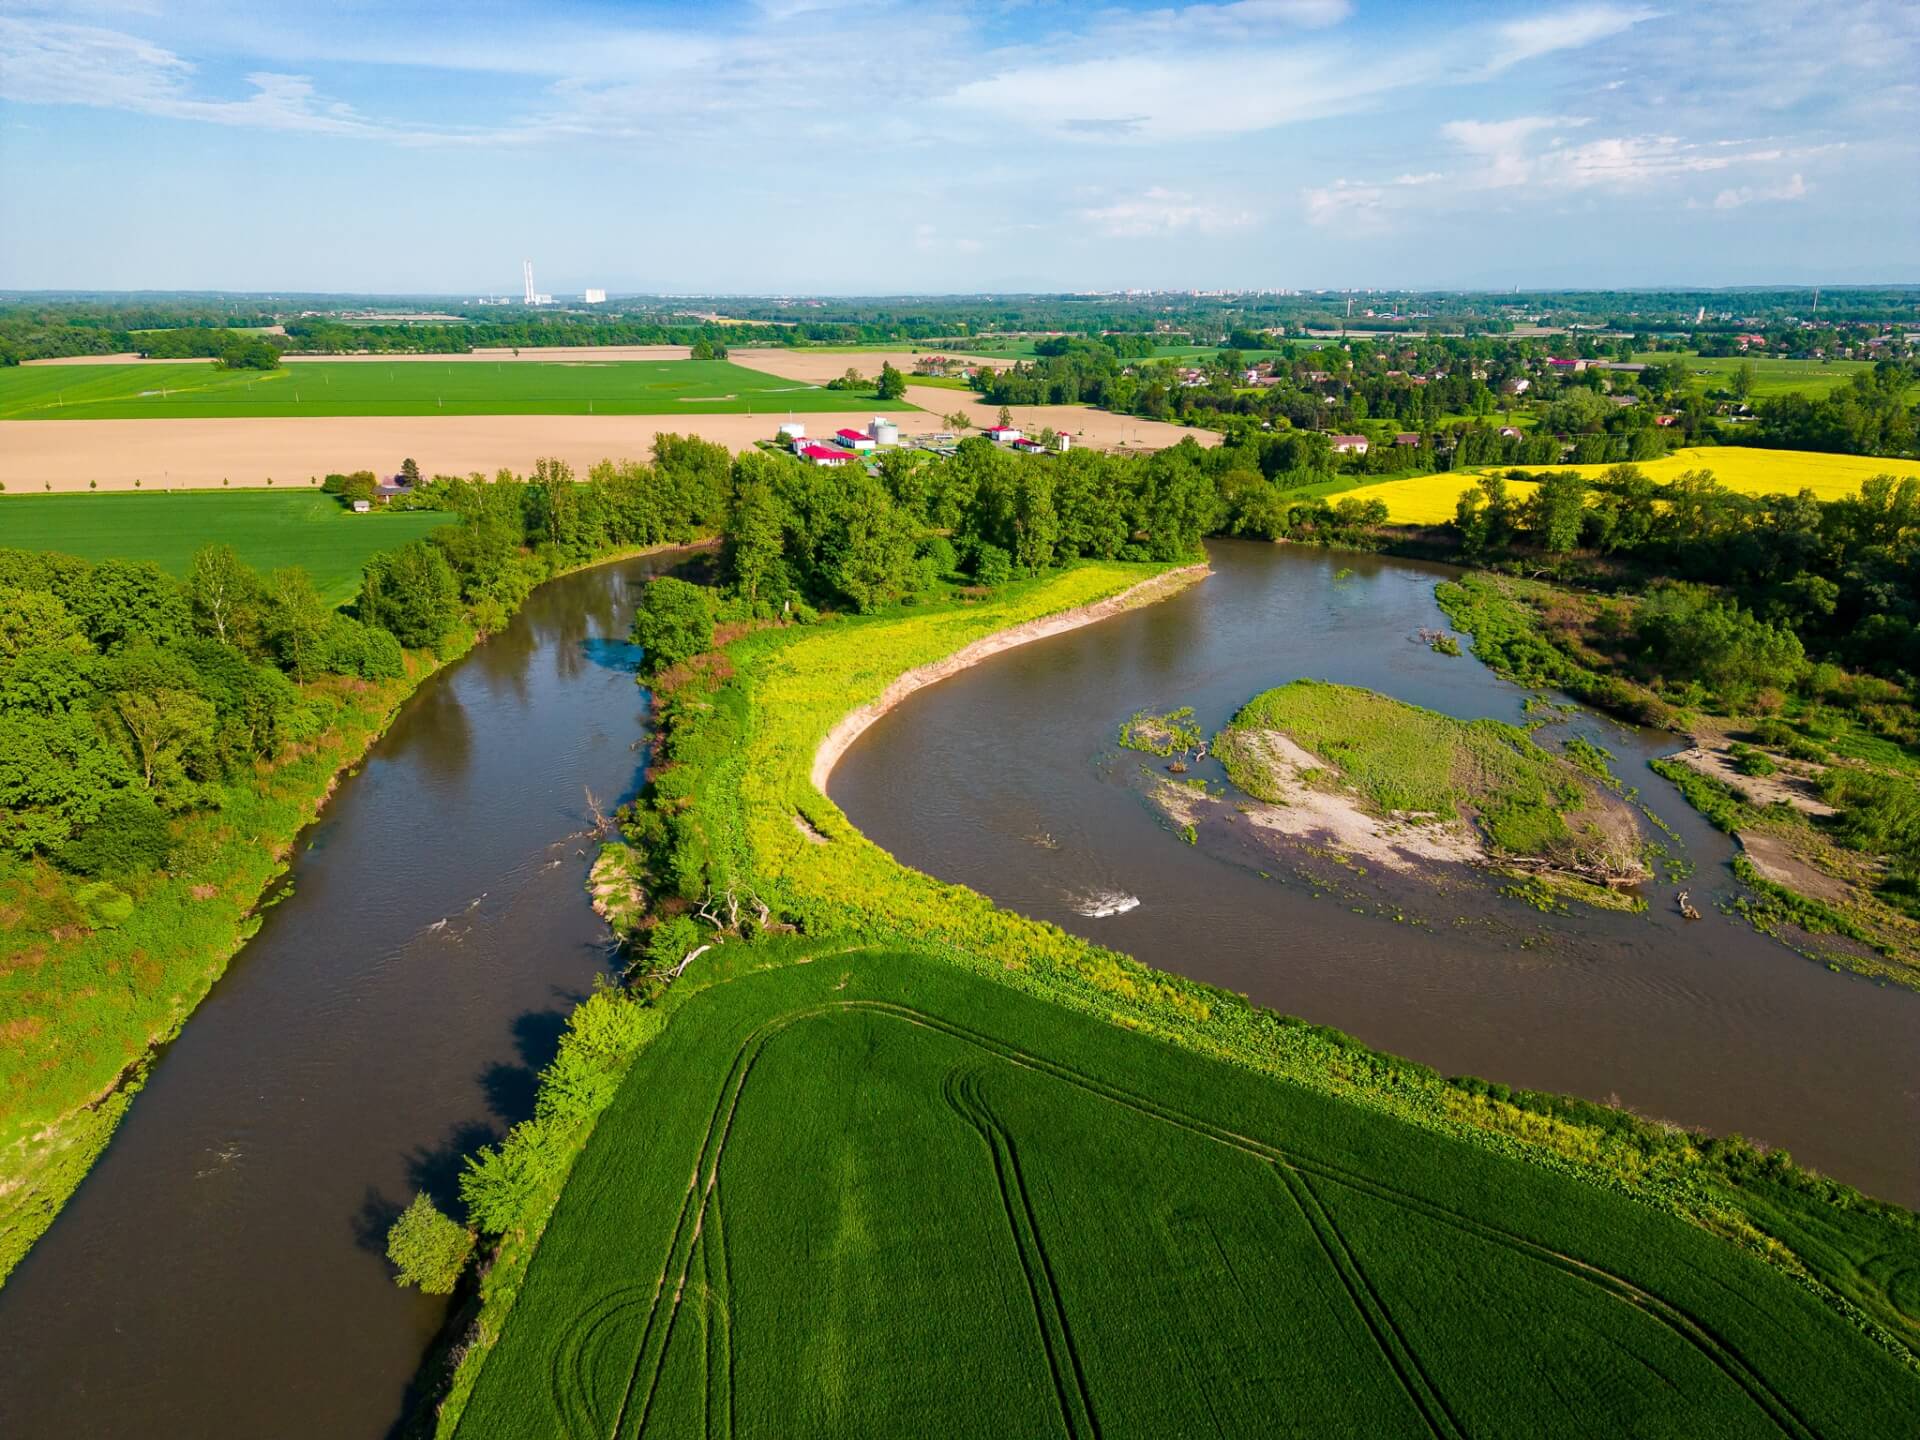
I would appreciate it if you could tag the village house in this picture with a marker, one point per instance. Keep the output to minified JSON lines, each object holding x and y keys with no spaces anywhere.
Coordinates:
{"x":390,"y":489}
{"x":1003,"y":434}
{"x":1406,"y":437}
{"x":1349,"y":444}
{"x":1519,"y":385}
{"x":822,"y":455}
{"x":1510,"y":432}
{"x":850,"y":439}
{"x":1566,"y":367}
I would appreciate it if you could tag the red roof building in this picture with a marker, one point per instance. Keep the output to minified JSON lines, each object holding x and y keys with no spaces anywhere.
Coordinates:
{"x":823,"y":455}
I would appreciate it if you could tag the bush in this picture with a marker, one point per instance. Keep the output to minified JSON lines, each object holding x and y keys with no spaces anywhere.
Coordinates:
{"x":130,"y":838}
{"x":427,"y":1248}
{"x":674,"y":623}
{"x":992,"y":565}
{"x":348,"y":647}
{"x":104,"y":905}
{"x":411,"y":592}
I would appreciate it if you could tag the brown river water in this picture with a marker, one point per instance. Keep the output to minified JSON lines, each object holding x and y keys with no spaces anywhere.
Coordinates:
{"x":222,"y":1270}
{"x":221,"y":1273}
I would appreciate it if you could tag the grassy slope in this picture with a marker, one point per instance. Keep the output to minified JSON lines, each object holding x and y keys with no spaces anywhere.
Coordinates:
{"x":1401,"y":758}
{"x":1024,"y":1217}
{"x":737,"y":765}
{"x":415,"y":387}
{"x":267,"y":529}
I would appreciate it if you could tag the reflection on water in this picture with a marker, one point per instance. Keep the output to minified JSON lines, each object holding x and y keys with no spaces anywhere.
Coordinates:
{"x":1703,"y":1024}
{"x":222,"y":1271}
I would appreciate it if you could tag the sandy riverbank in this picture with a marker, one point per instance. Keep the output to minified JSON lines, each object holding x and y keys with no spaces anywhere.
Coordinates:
{"x":854,"y":724}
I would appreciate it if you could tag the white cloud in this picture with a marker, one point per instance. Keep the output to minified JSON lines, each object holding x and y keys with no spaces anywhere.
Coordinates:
{"x":1792,"y":188}
{"x":1568,"y":29}
{"x":1163,"y":212}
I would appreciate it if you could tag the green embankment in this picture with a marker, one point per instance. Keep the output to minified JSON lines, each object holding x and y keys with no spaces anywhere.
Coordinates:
{"x":821,"y":1251}
{"x":266,"y":529}
{"x":1400,"y":759}
{"x":412,"y":387}
{"x":923,"y":1203}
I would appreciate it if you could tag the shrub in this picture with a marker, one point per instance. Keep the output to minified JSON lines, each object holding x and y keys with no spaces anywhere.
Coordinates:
{"x":674,"y":623}
{"x":427,"y":1248}
{"x":348,"y":647}
{"x":104,"y":905}
{"x":129,"y":838}
{"x":992,"y":565}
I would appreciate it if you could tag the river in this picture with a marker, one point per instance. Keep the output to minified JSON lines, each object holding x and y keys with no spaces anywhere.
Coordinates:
{"x":221,"y":1272}
{"x":1005,"y":778}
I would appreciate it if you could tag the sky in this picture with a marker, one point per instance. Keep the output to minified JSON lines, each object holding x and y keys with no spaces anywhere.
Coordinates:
{"x":919,"y":146}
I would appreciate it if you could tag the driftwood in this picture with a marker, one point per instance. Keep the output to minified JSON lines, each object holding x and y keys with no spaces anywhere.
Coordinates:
{"x":1595,"y":872}
{"x":1686,"y":906}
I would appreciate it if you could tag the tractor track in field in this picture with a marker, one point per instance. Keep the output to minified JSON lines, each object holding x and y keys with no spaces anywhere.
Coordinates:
{"x":965,"y":1096}
{"x":656,"y":1335}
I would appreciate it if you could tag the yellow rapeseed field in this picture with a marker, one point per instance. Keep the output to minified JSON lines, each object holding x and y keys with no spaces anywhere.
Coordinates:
{"x":1430,"y":499}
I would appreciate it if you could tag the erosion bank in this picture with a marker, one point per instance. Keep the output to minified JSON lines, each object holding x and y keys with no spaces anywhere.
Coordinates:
{"x":856,"y":722}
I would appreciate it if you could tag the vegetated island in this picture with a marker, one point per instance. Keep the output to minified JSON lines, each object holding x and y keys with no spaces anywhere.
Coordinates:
{"x":869,"y":1028}
{"x":1816,"y":784}
{"x":1372,"y":778}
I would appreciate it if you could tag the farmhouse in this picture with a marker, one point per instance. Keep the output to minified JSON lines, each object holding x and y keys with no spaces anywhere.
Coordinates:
{"x":823,"y":455}
{"x":1519,"y":385}
{"x":391,"y":489}
{"x":850,"y":439}
{"x":1003,"y":434}
{"x":1406,"y":437}
{"x":1567,"y":367}
{"x":1349,"y":444}
{"x":1509,"y":432}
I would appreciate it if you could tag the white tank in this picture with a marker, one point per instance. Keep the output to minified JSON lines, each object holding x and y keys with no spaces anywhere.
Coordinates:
{"x":884,"y":432}
{"x":793,"y":430}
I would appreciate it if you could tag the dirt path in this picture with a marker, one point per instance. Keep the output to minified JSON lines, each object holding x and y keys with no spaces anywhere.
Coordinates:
{"x":1775,"y":859}
{"x":1781,"y":788}
{"x":852,"y":726}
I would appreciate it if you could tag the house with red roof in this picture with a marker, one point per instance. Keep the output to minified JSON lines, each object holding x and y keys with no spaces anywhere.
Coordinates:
{"x":1003,"y":434}
{"x":1349,"y":444}
{"x":823,"y":454}
{"x":853,"y":439}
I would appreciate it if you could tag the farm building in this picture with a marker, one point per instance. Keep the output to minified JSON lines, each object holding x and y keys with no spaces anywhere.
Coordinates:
{"x":1519,"y":385}
{"x":793,"y":430}
{"x":361,"y":507}
{"x":1003,"y":434}
{"x":1349,"y":444}
{"x":1406,"y":437}
{"x":1510,"y":432}
{"x":391,"y":489}
{"x":1567,"y":367}
{"x":851,"y":439}
{"x":823,"y":455}
{"x":883,"y":432}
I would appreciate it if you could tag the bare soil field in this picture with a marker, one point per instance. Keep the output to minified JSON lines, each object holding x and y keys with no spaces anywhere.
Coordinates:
{"x":820,"y":366}
{"x":191,"y":454}
{"x":1100,"y":429}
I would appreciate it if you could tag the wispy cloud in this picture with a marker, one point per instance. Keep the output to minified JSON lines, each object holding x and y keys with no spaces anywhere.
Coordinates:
{"x":1572,"y":28}
{"x":1160,"y":211}
{"x":1792,"y":188}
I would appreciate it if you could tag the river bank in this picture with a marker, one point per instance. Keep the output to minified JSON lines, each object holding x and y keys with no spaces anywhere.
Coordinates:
{"x":746,"y":741}
{"x":68,"y":1084}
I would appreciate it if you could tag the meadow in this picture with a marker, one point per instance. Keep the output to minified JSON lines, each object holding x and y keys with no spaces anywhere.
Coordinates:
{"x":348,"y":388}
{"x":1430,"y":499}
{"x":1771,"y":376}
{"x":890,"y":1197}
{"x":267,"y":529}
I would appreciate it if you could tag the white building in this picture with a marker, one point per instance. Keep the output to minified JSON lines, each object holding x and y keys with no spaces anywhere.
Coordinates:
{"x":594,"y":297}
{"x":1003,"y":434}
{"x":793,"y":430}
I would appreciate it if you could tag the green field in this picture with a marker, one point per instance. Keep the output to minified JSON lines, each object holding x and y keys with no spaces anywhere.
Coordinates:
{"x":268,"y":530}
{"x":870,"y":1194}
{"x":411,"y":387}
{"x":1770,"y":376}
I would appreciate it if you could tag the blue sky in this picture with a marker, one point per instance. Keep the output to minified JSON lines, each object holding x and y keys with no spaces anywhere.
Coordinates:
{"x":873,"y":146}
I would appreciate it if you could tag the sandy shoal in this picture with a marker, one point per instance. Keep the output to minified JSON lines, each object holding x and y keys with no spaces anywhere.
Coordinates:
{"x":190,"y":453}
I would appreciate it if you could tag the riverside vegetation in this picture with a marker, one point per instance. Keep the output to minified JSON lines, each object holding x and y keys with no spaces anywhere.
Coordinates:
{"x":163,"y":741}
{"x":775,"y":934}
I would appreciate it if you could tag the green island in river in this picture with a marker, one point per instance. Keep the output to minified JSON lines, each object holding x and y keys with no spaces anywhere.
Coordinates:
{"x":785,"y":1142}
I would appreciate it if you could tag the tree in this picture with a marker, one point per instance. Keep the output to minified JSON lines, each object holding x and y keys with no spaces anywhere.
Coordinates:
{"x":1006,"y":417}
{"x":224,"y":594}
{"x":755,"y":539}
{"x":959,"y":422}
{"x":411,"y":592}
{"x":427,"y":1248}
{"x":154,"y":711}
{"x":702,"y":349}
{"x":410,"y":471}
{"x":1553,"y":514}
{"x":36,"y":619}
{"x":1743,"y":377}
{"x":674,"y":623}
{"x":294,"y":621}
{"x":892,"y":385}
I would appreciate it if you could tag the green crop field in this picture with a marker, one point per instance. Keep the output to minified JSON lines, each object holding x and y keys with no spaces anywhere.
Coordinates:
{"x":267,"y":529}
{"x":870,"y":1194}
{"x":411,"y":387}
{"x":1770,"y":376}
